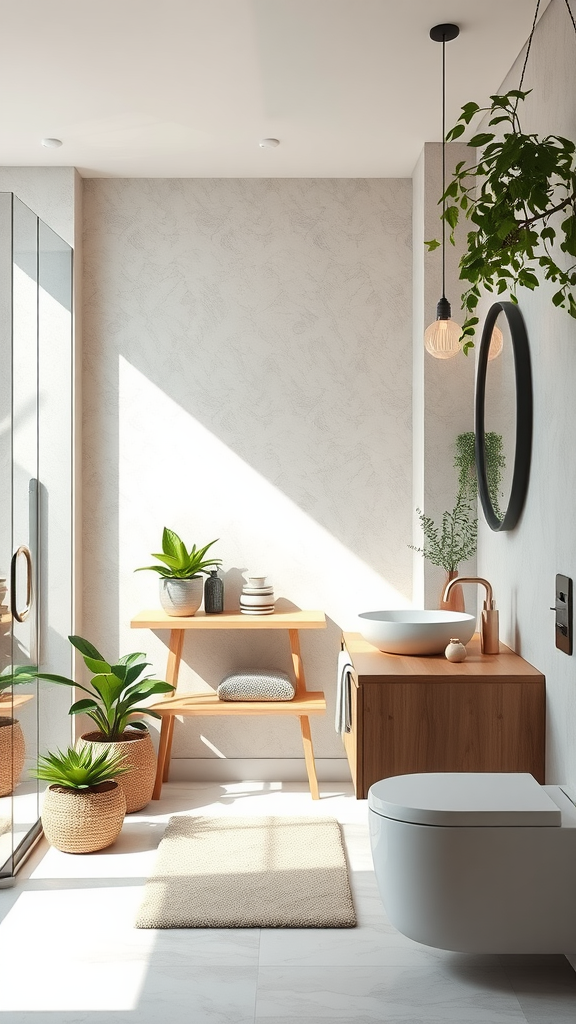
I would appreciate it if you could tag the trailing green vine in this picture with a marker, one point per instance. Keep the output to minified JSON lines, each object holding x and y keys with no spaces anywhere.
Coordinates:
{"x":514,"y":196}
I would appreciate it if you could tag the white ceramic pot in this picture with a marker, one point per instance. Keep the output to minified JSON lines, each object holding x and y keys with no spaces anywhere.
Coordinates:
{"x":181,"y":597}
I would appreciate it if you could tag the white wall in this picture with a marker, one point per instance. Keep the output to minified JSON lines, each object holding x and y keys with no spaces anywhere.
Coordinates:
{"x":522,"y":564}
{"x":247,"y":376}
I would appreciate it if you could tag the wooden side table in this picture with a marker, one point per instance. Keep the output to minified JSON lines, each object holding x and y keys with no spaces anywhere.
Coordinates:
{"x":304,"y":704}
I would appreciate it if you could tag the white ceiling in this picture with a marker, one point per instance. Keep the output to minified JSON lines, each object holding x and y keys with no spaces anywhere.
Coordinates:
{"x":187,"y":88}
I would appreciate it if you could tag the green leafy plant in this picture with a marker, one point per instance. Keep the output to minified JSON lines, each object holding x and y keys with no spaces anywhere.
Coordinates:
{"x":116,"y":690}
{"x":177,"y":562}
{"x":455,"y":540}
{"x":20,"y":675}
{"x":513,"y":196}
{"x":465,"y":463}
{"x":80,"y":769}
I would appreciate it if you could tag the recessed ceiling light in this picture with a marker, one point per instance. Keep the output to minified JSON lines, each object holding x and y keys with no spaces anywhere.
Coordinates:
{"x":52,"y":143}
{"x":269,"y":143}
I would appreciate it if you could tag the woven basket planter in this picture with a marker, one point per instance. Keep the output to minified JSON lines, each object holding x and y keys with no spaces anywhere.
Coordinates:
{"x":12,"y":754}
{"x":139,"y":757}
{"x":82,"y":821}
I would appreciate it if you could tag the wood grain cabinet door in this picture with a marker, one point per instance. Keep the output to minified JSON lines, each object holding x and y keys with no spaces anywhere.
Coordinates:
{"x":445,"y":726}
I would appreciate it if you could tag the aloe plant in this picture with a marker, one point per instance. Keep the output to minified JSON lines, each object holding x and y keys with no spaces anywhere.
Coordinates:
{"x":116,"y":690}
{"x":177,"y":562}
{"x":80,"y":769}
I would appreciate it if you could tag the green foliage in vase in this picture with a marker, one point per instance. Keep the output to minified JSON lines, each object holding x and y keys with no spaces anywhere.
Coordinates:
{"x":177,"y":562}
{"x":514,"y":196}
{"x":455,"y":540}
{"x":80,"y":769}
{"x":116,"y":690}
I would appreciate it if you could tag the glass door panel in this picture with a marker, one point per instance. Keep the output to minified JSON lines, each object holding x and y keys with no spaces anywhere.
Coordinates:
{"x":55,"y":491}
{"x":6,"y":710}
{"x":24,"y":562}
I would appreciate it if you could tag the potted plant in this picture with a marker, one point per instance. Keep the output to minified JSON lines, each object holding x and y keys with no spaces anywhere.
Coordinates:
{"x":84,"y":805}
{"x":181,"y":583}
{"x":12,"y":746}
{"x":513,"y":195}
{"x":455,"y":540}
{"x":115,"y":695}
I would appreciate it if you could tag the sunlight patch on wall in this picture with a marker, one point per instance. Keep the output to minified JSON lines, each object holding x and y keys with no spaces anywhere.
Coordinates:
{"x":174,"y":472}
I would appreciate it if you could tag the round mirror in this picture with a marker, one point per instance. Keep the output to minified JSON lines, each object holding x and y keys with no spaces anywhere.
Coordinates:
{"x":503,"y":416}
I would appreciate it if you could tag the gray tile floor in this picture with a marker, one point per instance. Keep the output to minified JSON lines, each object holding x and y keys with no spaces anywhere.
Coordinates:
{"x":69,"y":953}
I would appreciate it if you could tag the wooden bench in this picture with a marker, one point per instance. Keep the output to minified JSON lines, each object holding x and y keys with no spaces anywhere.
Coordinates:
{"x":304,"y":704}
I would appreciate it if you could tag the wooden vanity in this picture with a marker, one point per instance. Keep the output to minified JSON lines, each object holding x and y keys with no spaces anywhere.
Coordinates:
{"x":425,"y":714}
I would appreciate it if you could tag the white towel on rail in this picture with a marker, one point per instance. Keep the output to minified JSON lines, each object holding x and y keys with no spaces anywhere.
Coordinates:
{"x":343,"y":720}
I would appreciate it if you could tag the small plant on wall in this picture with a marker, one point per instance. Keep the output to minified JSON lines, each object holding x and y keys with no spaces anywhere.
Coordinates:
{"x":521,"y":198}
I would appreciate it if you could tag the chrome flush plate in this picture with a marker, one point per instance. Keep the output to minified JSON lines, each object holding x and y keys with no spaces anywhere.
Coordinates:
{"x":563,"y":609}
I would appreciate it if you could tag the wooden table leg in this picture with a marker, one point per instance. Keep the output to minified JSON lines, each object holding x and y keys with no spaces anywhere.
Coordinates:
{"x":309,"y":756}
{"x":304,"y":721}
{"x":162,"y":750}
{"x":166,"y":773}
{"x":167,"y":730}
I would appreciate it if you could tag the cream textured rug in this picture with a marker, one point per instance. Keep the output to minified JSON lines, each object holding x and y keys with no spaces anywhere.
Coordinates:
{"x":267,"y":872}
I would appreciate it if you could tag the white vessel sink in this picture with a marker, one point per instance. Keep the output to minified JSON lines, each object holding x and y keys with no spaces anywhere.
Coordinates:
{"x":415,"y":631}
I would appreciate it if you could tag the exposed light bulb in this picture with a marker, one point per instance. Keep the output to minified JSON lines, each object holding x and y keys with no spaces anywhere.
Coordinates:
{"x":442,"y":339}
{"x":496,"y":344}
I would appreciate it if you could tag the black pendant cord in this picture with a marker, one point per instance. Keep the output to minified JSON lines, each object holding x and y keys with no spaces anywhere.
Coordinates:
{"x":443,"y":34}
{"x":444,"y":167}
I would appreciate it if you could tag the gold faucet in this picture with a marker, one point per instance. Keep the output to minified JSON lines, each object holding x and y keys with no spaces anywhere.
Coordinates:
{"x":489,"y":638}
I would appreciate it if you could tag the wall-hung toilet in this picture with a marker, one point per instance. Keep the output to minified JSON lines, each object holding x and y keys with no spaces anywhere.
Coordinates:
{"x":476,"y":862}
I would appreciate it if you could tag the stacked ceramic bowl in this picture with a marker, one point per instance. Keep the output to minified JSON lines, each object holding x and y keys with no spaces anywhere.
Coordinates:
{"x":257,"y":597}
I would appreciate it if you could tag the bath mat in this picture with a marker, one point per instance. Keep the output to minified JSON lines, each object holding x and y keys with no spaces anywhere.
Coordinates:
{"x":268,"y":872}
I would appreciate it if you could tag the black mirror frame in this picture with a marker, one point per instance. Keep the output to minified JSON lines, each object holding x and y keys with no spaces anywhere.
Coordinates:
{"x":522,"y":455}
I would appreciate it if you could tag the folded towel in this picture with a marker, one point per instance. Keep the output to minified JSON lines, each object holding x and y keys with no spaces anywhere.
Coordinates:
{"x":343,"y":720}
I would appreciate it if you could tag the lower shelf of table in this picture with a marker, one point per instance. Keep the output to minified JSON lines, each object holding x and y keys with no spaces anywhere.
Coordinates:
{"x":208,"y":704}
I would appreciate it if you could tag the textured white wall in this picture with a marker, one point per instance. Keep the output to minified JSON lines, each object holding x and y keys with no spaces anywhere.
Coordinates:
{"x":522,"y":564}
{"x":247,"y":376}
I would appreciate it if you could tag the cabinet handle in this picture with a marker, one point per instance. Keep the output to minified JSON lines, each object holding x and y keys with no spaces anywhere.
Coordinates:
{"x":21,"y":616}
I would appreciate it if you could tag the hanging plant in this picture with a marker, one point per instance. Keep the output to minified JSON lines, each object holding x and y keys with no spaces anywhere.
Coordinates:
{"x":514,"y":196}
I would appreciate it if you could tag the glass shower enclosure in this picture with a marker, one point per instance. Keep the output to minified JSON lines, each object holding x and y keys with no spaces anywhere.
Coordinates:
{"x":36,"y":510}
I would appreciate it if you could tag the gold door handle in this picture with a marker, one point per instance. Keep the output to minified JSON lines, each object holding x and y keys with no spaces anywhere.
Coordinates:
{"x":21,"y":616}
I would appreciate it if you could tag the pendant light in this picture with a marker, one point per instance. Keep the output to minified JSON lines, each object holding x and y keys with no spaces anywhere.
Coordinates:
{"x":442,"y":338}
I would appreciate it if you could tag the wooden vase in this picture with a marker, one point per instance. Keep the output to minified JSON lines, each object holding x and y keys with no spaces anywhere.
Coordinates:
{"x":455,"y":602}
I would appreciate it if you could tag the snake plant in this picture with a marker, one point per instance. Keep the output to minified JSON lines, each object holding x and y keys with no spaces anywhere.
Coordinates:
{"x":177,"y":562}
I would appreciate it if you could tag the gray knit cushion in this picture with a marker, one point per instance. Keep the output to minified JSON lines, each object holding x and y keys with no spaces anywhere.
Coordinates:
{"x":259,"y":685}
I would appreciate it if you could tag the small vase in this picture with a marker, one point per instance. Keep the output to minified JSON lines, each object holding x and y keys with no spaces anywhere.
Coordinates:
{"x":455,"y":602}
{"x":213,"y":594}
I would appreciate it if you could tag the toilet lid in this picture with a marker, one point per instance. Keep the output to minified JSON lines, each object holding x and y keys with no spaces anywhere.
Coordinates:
{"x":464,"y":798}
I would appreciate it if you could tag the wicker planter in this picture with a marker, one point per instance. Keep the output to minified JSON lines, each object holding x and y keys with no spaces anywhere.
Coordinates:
{"x":12,"y":754}
{"x":82,"y":821}
{"x":139,"y":756}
